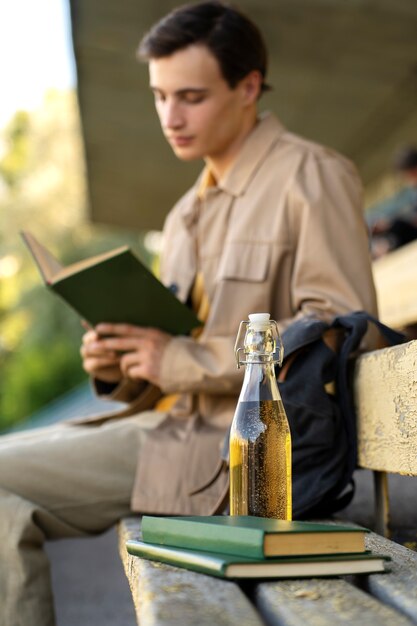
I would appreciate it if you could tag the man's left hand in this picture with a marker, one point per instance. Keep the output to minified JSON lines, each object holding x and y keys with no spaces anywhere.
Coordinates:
{"x":141,"y":348}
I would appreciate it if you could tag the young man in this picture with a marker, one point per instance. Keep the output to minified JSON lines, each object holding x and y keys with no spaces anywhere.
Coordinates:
{"x":273,"y":224}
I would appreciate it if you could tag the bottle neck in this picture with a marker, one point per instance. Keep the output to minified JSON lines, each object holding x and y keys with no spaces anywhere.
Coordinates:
{"x":259,"y":382}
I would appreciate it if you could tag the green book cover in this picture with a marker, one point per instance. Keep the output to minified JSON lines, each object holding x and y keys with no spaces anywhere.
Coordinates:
{"x":231,"y":566}
{"x":113,"y":287}
{"x":254,"y":537}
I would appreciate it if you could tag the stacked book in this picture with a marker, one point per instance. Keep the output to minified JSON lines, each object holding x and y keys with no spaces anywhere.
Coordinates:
{"x":255,"y":547}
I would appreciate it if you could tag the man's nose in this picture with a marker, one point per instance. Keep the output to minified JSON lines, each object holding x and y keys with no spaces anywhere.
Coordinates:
{"x":172,"y":116}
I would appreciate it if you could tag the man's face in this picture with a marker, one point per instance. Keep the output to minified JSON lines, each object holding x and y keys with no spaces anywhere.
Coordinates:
{"x":200,"y":115}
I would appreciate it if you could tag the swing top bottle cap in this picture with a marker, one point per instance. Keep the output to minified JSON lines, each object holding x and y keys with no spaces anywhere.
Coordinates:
{"x":261,"y":340}
{"x":259,"y":321}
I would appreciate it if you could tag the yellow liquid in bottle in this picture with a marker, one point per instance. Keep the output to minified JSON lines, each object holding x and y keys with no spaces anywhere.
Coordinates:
{"x":260,"y":461}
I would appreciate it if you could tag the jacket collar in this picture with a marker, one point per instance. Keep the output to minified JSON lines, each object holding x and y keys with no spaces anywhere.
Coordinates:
{"x":254,"y":150}
{"x":257,"y":145}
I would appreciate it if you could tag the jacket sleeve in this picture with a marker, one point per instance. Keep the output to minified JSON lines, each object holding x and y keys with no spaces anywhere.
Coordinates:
{"x":125,"y":391}
{"x":191,"y":365}
{"x":331,"y":270}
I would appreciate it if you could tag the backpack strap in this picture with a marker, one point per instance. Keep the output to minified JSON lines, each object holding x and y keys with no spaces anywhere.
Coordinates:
{"x":356,"y":325}
{"x":357,"y":319}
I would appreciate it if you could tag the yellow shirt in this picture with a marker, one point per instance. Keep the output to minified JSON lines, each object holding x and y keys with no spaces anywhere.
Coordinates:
{"x":199,"y":300}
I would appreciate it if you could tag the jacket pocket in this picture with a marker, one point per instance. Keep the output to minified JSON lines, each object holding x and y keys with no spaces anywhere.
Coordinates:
{"x":245,"y":261}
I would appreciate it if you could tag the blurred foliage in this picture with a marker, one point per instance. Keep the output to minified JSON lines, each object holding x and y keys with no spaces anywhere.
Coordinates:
{"x":42,"y":189}
{"x":15,"y":158}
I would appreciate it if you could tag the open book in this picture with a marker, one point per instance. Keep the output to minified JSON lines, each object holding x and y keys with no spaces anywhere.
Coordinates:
{"x":113,"y":287}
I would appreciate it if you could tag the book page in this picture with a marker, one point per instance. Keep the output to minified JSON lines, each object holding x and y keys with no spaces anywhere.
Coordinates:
{"x":90,"y":262}
{"x":46,"y":262}
{"x":52,"y":270}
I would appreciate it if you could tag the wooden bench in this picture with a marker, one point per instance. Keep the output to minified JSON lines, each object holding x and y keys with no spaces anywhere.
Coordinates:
{"x":170,"y":596}
{"x":385,"y":388}
{"x":386,"y":401}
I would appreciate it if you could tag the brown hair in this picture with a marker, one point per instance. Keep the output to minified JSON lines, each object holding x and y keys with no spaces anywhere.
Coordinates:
{"x":231,"y":37}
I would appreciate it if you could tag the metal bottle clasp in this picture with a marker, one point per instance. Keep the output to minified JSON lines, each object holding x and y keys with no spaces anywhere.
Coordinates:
{"x":278,"y":354}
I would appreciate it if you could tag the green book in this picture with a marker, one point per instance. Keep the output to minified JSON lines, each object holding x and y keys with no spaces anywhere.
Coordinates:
{"x":232,"y":566}
{"x":113,"y":287}
{"x":253,"y":537}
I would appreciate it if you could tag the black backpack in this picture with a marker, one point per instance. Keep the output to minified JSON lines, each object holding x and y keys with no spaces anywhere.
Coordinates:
{"x":316,"y":391}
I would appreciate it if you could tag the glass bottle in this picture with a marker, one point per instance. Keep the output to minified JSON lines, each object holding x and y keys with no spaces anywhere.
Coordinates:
{"x":260,"y":440}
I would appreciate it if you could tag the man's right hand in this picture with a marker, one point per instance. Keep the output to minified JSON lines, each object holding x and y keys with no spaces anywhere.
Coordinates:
{"x":98,"y":361}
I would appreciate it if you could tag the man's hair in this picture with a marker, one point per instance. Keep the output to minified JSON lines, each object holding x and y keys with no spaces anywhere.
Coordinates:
{"x":231,"y":37}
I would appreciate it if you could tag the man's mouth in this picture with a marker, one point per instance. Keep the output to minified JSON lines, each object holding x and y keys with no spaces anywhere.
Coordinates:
{"x":180,"y":140}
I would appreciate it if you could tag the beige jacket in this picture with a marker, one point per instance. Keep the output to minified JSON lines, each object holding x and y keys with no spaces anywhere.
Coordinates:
{"x":282,"y":233}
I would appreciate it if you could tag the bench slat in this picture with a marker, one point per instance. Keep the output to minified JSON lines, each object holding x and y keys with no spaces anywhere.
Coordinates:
{"x":169,"y":596}
{"x":322,"y":602}
{"x":386,"y":404}
{"x":398,"y":588}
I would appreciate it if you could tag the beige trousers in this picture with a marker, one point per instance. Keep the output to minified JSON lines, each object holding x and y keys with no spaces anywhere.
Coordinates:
{"x":60,"y":481}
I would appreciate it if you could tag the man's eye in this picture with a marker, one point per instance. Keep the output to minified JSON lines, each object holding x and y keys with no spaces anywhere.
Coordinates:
{"x":194,"y":98}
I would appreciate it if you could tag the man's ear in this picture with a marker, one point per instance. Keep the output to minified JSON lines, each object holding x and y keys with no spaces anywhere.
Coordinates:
{"x":251,"y":87}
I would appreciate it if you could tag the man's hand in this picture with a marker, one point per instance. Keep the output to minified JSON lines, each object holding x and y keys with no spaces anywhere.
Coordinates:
{"x":99,"y":361}
{"x":136,"y":351}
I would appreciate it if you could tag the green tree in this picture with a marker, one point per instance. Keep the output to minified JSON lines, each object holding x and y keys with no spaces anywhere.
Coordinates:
{"x":43,"y":190}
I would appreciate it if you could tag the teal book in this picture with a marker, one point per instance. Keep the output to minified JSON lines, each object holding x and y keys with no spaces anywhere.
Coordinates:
{"x":253,"y":537}
{"x":232,"y":566}
{"x":113,"y":287}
